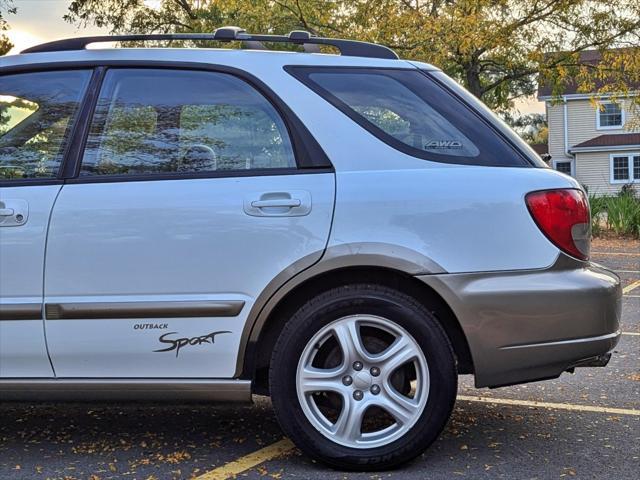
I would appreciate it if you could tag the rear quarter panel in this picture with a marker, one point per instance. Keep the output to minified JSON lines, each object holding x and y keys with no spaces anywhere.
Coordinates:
{"x":462,"y":218}
{"x":465,"y":219}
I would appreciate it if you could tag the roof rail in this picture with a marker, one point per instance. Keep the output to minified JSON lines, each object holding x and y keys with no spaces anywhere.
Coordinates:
{"x":350,"y":48}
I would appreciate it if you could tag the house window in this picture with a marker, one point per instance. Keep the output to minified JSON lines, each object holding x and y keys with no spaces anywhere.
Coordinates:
{"x":609,"y":115}
{"x":625,"y":168}
{"x":564,"y":167}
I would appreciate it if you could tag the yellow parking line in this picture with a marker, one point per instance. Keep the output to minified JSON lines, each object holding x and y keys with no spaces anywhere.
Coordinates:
{"x":249,"y":461}
{"x":631,"y":333}
{"x":285,"y":445}
{"x":560,"y":406}
{"x":631,"y":286}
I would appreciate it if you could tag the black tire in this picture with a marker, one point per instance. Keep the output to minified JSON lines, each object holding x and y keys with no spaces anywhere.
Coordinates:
{"x":373,"y":300}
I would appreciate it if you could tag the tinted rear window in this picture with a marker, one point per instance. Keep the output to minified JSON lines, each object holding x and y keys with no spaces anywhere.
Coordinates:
{"x":413,"y":113}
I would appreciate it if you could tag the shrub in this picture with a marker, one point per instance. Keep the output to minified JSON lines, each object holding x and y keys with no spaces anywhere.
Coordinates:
{"x":623,"y":215}
{"x":620,"y":214}
{"x":598,"y":213}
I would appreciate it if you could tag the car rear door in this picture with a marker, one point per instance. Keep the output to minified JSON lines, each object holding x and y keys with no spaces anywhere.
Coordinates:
{"x":196,"y":189}
{"x":37,"y":115}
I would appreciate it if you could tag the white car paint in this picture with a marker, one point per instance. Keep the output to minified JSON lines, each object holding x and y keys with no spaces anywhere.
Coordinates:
{"x":172,"y":240}
{"x":192,"y":240}
{"x":23,"y":350}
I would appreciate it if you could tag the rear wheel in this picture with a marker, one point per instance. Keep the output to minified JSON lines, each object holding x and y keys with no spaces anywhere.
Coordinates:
{"x":363,"y":377}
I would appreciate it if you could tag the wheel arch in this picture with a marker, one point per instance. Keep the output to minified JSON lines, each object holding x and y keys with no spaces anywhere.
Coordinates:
{"x":255,"y":353}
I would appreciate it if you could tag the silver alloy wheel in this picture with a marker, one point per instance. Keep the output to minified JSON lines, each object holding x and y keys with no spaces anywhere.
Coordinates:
{"x":362,"y":380}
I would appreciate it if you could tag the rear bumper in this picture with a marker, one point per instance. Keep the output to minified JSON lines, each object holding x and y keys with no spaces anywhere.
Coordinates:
{"x":532,"y":325}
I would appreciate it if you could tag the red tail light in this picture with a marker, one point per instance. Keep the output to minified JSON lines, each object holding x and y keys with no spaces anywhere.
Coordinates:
{"x":564,"y":217}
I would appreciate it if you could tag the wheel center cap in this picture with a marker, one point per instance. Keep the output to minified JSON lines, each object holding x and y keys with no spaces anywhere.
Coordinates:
{"x":362,"y":380}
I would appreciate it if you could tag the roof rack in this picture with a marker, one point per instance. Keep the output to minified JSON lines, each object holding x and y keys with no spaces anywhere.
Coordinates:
{"x":350,"y":48}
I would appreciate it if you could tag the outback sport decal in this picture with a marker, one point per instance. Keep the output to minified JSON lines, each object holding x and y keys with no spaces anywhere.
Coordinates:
{"x":151,"y":326}
{"x":178,"y":343}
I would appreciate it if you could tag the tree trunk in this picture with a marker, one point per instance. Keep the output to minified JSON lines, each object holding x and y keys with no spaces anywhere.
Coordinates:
{"x":472,"y":74}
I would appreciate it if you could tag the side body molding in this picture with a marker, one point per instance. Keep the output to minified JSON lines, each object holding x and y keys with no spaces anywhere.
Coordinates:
{"x":125,"y":389}
{"x":129,"y":310}
{"x":361,"y":254}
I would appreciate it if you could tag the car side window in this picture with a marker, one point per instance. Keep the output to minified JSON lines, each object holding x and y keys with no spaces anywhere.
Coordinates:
{"x":160,"y":121}
{"x":411,"y":112}
{"x":391,"y":106}
{"x":36,"y":112}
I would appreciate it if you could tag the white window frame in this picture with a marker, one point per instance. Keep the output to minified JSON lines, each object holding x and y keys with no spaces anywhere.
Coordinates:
{"x":565,"y":160}
{"x":610,"y":127}
{"x":630,"y":163}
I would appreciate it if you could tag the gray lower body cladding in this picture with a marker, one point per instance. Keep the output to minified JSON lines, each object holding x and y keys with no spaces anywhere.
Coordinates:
{"x":530,"y":325}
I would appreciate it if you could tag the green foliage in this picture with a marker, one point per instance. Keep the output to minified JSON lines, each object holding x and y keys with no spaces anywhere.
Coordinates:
{"x":6,"y":6}
{"x":623,"y":215}
{"x":598,"y":211}
{"x":620,"y":214}
{"x":496,"y":48}
{"x":533,"y":128}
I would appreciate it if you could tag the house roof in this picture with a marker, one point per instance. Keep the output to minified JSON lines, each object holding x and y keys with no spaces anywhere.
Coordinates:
{"x":587,"y":57}
{"x":540,"y":148}
{"x":616,"y":140}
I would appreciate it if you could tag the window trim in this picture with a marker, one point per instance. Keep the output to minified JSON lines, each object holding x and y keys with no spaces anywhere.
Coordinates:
{"x":151,"y":177}
{"x":299,"y":72}
{"x":565,"y":160}
{"x":308,"y":153}
{"x":73,"y":158}
{"x":629,"y":157}
{"x":610,"y":127}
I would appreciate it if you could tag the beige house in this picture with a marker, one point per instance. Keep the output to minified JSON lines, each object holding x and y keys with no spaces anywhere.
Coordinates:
{"x":598,"y":144}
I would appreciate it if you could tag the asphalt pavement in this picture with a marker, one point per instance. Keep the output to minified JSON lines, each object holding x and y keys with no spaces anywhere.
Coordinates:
{"x":587,"y":425}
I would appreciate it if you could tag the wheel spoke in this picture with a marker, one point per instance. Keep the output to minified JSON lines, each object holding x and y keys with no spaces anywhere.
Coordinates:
{"x":397,"y":354}
{"x":348,"y":336}
{"x":321,"y":380}
{"x":349,"y":424}
{"x":403,"y":409}
{"x":363,"y":379}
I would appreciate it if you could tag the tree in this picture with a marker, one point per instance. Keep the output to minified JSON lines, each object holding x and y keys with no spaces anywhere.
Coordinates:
{"x":533,"y":127}
{"x":5,"y":43}
{"x":498,"y":49}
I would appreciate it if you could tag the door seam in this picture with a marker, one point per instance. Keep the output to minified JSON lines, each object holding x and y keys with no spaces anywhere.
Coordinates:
{"x":44,"y":272}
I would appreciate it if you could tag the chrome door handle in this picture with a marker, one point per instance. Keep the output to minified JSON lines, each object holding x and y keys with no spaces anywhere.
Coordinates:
{"x":7,"y":212}
{"x":281,"y":202}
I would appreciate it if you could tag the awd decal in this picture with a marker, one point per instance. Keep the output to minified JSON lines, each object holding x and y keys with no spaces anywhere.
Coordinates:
{"x":443,"y":144}
{"x":178,"y":343}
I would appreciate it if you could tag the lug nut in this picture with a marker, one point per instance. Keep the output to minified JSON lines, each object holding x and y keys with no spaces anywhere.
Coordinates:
{"x":347,"y":380}
{"x":357,"y":366}
{"x":358,"y":395}
{"x":375,"y":371}
{"x":375,"y":389}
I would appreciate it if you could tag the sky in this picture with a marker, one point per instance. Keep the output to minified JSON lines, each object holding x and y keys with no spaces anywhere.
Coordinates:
{"x":39,"y":21}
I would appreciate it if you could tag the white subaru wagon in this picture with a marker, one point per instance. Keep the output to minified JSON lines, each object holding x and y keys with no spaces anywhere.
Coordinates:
{"x":345,"y":233}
